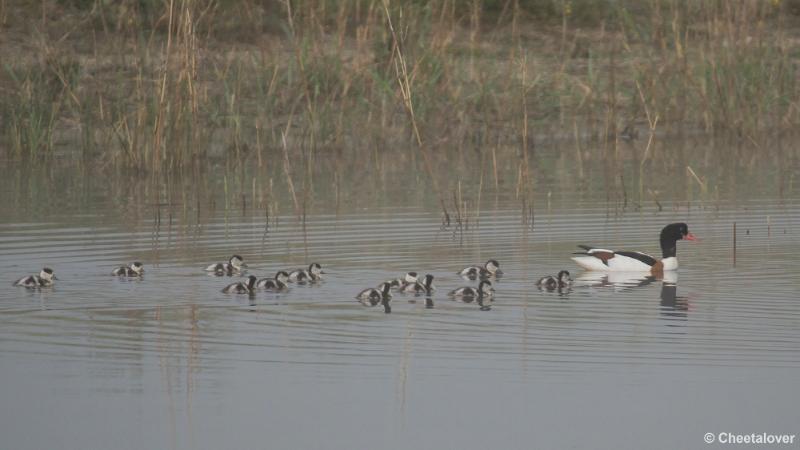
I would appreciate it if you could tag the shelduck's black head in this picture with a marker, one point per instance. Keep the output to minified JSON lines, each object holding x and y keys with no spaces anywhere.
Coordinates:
{"x":671,"y":234}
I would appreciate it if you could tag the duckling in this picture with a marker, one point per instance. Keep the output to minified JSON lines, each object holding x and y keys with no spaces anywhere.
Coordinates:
{"x":467,"y":294}
{"x":374,"y":296}
{"x":398,"y":283}
{"x":418,"y":287}
{"x":547,"y":282}
{"x":551,"y":283}
{"x":135,"y":269}
{"x":490,"y":269}
{"x":234,"y":265}
{"x":45,"y":279}
{"x":242,"y":287}
{"x":275,"y":284}
{"x":311,"y":275}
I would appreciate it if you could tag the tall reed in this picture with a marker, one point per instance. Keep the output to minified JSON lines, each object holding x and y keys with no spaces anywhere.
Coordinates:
{"x":162,"y":85}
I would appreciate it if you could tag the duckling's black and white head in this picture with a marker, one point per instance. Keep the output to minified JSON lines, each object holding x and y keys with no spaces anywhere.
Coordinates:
{"x":493,"y":267}
{"x":47,"y":275}
{"x":237,"y":262}
{"x":282,"y":276}
{"x":137,"y":267}
{"x":251,"y":282}
{"x":564,"y":278}
{"x":428,"y":283}
{"x":410,"y":277}
{"x":315,"y":269}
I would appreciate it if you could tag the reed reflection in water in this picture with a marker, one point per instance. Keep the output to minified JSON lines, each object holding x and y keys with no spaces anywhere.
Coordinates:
{"x":168,"y":361}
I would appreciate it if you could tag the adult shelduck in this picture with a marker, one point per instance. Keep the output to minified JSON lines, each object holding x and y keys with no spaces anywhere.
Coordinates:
{"x":624,"y":261}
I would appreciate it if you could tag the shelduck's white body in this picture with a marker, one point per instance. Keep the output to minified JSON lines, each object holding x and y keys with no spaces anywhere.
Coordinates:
{"x":621,"y":263}
{"x":603,"y":260}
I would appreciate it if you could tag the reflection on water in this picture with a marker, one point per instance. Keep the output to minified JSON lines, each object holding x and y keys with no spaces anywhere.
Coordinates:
{"x":312,"y":368}
{"x":672,"y":305}
{"x":623,"y":280}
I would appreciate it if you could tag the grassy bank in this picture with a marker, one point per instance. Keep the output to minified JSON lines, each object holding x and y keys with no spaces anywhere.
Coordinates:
{"x":153,"y":85}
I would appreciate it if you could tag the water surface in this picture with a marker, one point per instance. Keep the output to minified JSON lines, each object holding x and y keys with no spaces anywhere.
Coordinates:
{"x":169,"y":361}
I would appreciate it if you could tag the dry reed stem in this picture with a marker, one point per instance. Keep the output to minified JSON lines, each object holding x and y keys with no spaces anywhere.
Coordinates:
{"x":401,"y":72}
{"x":734,"y":244}
{"x":699,"y":181}
{"x":159,"y":124}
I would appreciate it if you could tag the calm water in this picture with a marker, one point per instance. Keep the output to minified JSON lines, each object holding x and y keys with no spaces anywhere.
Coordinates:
{"x":170,"y":362}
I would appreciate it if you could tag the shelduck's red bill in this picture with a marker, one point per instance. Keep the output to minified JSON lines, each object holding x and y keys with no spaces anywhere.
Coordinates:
{"x":690,"y":237}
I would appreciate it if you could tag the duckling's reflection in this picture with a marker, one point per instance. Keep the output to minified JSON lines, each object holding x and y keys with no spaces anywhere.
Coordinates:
{"x":372,"y":301}
{"x":484,"y":302}
{"x":562,"y":291}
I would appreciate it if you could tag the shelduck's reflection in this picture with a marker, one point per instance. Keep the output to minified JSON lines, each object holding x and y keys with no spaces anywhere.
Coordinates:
{"x":672,"y":305}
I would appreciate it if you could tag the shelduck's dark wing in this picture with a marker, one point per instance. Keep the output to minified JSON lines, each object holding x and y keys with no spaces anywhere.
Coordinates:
{"x":643,"y":257}
{"x":600,"y":253}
